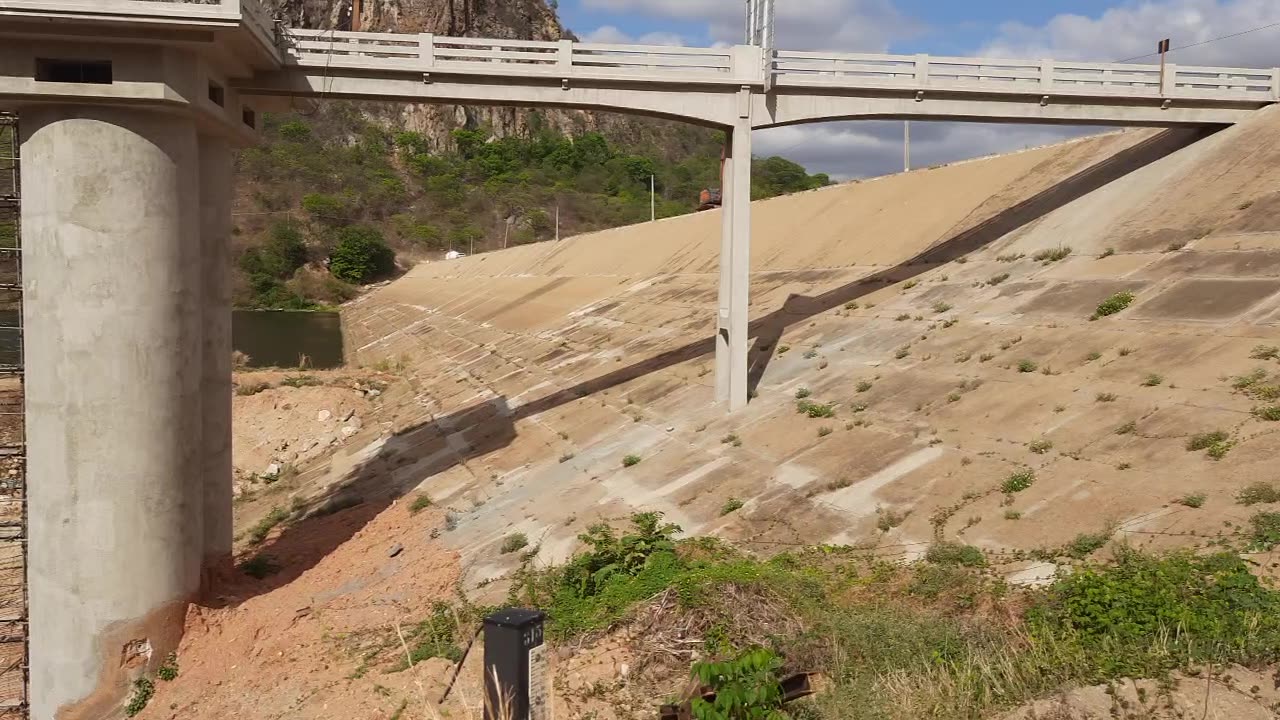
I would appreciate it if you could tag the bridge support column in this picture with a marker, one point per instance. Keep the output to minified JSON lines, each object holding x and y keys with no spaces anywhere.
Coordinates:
{"x":111,"y":239}
{"x":735,"y":269}
{"x":216,"y":175}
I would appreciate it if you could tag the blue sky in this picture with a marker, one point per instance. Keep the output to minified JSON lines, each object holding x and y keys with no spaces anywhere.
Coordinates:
{"x":1098,"y":30}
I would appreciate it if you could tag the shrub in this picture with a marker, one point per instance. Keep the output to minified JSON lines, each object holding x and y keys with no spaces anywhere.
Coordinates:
{"x":514,"y":542}
{"x":1012,"y":515}
{"x":259,"y":566}
{"x":1114,"y":304}
{"x":252,"y":388}
{"x":420,"y":503}
{"x":1106,"y":397}
{"x":997,"y":279}
{"x":903,"y":316}
{"x":1153,"y":380}
{"x":815,"y":410}
{"x":1107,"y":253}
{"x":1192,"y":501}
{"x":1041,"y":446}
{"x":803,"y":393}
{"x":1027,"y":366}
{"x":1128,"y":428}
{"x":1012,"y":257}
{"x":143,"y":690}
{"x":1258,"y":493}
{"x":955,"y":554}
{"x":298,"y":381}
{"x":264,"y":527}
{"x":731,"y":505}
{"x":361,"y":255}
{"x":1018,"y":481}
{"x":824,"y":431}
{"x":1095,"y":355}
{"x":1085,"y":544}
{"x":1270,"y":413}
{"x":941,"y":307}
{"x":1052,"y":254}
{"x":1204,"y":441}
{"x":1264,"y":531}
{"x":1265,"y":352}
{"x":902,"y":352}
{"x":863,"y":386}
{"x":631,"y":461}
{"x":746,"y":687}
{"x":1125,"y":351}
{"x":168,"y":672}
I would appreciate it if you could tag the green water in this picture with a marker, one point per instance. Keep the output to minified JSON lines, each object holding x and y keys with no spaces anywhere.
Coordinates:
{"x":279,"y":338}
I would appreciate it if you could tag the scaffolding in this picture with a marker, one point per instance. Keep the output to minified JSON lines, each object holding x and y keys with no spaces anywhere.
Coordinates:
{"x":13,"y":446}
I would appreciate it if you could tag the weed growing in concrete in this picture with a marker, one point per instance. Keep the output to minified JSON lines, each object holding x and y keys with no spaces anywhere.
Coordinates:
{"x":1264,"y":532}
{"x":1270,"y":413}
{"x":1018,"y":481}
{"x":731,"y":505}
{"x":421,"y":502}
{"x":1128,"y":428}
{"x":997,"y":279}
{"x":889,"y":519}
{"x":1259,"y":493}
{"x":1106,"y":397}
{"x":815,"y":410}
{"x":941,"y":307}
{"x":1204,"y":441}
{"x":168,"y":672}
{"x":514,"y":542}
{"x":955,"y":555}
{"x":803,"y":393}
{"x":1114,"y":304}
{"x":1027,"y":366}
{"x":1085,"y":544}
{"x":1041,"y":446}
{"x":143,"y":691}
{"x":1107,"y":253}
{"x":1265,"y":352}
{"x":260,"y":566}
{"x":1192,"y":501}
{"x":1153,"y":380}
{"x":264,"y":527}
{"x":1012,"y":515}
{"x":903,"y":317}
{"x":902,"y":352}
{"x":824,"y":431}
{"x":631,"y":461}
{"x":1052,"y":255}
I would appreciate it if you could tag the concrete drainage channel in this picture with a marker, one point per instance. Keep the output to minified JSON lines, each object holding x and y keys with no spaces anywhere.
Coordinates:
{"x":13,"y":505}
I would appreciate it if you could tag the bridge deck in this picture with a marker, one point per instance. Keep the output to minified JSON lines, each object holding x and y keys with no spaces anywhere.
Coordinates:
{"x":798,"y":70}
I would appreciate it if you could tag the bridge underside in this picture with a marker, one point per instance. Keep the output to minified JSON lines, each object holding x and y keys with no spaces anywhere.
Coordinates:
{"x":720,"y":106}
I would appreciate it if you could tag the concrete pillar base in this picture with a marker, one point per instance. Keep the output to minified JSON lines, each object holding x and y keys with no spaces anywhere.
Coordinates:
{"x":110,"y":234}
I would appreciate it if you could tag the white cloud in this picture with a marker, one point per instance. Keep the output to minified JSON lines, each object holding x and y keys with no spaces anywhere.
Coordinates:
{"x":845,"y":25}
{"x":609,"y":34}
{"x":1132,"y":29}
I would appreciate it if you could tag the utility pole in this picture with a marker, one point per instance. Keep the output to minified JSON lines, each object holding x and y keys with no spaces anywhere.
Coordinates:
{"x":355,"y":15}
{"x":557,"y":222}
{"x":906,"y":146}
{"x":653,"y":199}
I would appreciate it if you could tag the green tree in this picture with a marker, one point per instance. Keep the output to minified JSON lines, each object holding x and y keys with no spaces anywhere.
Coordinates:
{"x":361,"y":255}
{"x":324,"y":208}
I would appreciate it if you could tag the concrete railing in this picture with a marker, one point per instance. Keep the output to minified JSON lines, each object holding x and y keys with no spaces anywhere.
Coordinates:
{"x":1045,"y":77}
{"x":562,"y":60}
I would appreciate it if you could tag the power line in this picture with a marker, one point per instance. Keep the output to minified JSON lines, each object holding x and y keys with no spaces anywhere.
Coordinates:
{"x":1206,"y":42}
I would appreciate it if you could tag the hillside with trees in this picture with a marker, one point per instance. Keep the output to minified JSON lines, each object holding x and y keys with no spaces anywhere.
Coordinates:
{"x":339,"y":198}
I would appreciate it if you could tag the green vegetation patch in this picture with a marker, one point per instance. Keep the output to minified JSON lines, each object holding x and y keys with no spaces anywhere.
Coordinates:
{"x":1114,"y":304}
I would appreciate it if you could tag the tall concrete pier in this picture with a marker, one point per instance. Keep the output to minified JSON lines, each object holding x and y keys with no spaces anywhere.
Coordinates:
{"x":126,"y":145}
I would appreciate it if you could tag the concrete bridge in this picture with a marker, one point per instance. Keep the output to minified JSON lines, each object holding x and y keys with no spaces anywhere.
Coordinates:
{"x":130,"y":111}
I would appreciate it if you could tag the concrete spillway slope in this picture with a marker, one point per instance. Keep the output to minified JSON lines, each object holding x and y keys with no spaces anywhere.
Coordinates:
{"x":915,"y":306}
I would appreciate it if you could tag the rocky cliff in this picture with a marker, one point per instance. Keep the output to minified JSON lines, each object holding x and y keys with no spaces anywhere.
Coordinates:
{"x":522,"y":19}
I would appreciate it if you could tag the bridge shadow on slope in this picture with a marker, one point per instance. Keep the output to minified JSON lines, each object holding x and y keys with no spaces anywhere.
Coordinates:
{"x":434,"y":447}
